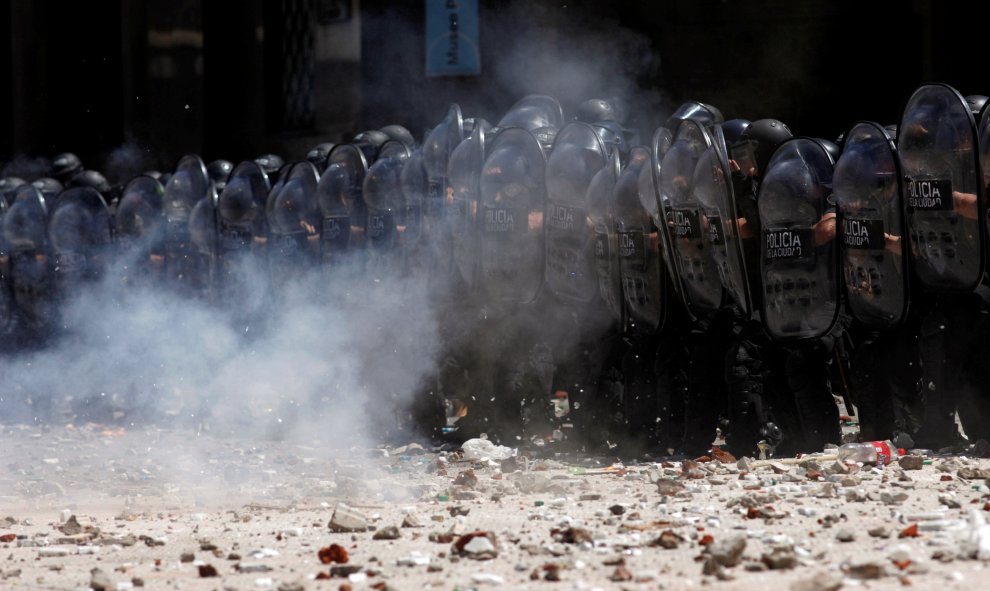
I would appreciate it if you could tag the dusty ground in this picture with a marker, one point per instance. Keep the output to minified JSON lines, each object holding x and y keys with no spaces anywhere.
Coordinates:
{"x":91,"y":507}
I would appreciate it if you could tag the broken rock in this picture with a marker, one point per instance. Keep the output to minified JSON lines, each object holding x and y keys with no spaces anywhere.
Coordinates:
{"x":727,"y":551}
{"x":345,"y":519}
{"x":478,"y":545}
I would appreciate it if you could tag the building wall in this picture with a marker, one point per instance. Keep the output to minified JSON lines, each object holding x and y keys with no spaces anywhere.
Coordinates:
{"x":138,"y":83}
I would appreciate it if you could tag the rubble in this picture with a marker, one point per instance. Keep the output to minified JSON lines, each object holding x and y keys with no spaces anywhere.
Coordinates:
{"x":346,"y":519}
{"x":589,"y":523}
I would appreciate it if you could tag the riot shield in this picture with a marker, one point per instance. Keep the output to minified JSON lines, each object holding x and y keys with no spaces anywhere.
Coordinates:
{"x":25,"y":233}
{"x":205,"y":242}
{"x":415,"y":185}
{"x":602,"y":214}
{"x":640,"y":263}
{"x":439,"y":144}
{"x":984,"y":135}
{"x":294,"y":220}
{"x":513,"y":199}
{"x":465,"y":166}
{"x":719,"y":215}
{"x":242,"y":227}
{"x":382,"y":192}
{"x":867,"y":190}
{"x":533,"y":112}
{"x":80,"y":233}
{"x":6,"y":288}
{"x":343,"y":211}
{"x":700,"y":286}
{"x":139,"y":230}
{"x":943,"y":192}
{"x":577,"y":155}
{"x":185,"y":188}
{"x":799,"y":256}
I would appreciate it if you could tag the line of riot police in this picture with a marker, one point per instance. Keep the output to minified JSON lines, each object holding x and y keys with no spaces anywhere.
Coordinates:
{"x":727,"y":277}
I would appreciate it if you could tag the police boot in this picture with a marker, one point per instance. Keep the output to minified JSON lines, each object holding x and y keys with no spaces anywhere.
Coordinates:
{"x":816,"y":409}
{"x":751,"y":430}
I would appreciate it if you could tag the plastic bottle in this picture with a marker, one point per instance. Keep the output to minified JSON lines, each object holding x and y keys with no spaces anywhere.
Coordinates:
{"x":868,"y":452}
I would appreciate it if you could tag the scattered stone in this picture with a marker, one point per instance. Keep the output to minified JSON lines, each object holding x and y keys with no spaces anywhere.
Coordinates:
{"x":207,"y":570}
{"x":911,"y":462}
{"x":727,"y":551}
{"x":879,"y":532}
{"x":866,"y":571}
{"x":669,"y":540}
{"x":668,"y":487}
{"x":617,"y":509}
{"x":572,"y":535}
{"x":893,"y":498}
{"x":99,"y":581}
{"x":780,"y":558}
{"x":7,"y":538}
{"x":345,"y":519}
{"x":910,"y":531}
{"x":387,"y":533}
{"x":466,"y":479}
{"x":53,"y":552}
{"x":819,"y":582}
{"x":334,"y":553}
{"x":253,"y":568}
{"x":345,"y":570}
{"x":487,"y":579}
{"x":620,"y":574}
{"x":458,"y":510}
{"x":478,"y":545}
{"x":71,"y":526}
{"x":414,"y":559}
{"x":949,"y":501}
{"x":410,"y":520}
{"x":845,"y":535}
{"x":722,"y":457}
{"x":590,"y":497}
{"x":973,"y":473}
{"x":187,"y":557}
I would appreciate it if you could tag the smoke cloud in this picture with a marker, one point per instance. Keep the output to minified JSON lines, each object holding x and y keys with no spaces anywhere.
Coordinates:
{"x":333,"y":362}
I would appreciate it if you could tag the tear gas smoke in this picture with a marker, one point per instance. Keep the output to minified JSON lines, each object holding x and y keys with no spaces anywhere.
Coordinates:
{"x":318,"y":361}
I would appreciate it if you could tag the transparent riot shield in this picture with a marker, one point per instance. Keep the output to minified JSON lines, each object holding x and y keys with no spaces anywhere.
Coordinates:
{"x":701,"y":287}
{"x":721,"y":221}
{"x":577,"y":155}
{"x":867,"y":189}
{"x":943,"y":192}
{"x":798,"y":259}
{"x":513,"y":202}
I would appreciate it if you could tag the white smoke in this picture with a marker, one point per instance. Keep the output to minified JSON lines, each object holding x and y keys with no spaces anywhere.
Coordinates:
{"x":330,"y":361}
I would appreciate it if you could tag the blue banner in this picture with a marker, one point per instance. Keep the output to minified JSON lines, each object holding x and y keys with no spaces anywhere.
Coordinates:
{"x":452,"y":46}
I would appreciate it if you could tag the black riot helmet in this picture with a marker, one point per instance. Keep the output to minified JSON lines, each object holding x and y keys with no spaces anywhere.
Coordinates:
{"x":219,"y":171}
{"x":370,"y":142}
{"x":532,"y":112}
{"x":49,"y":187}
{"x":757,"y":144}
{"x":831,"y":147}
{"x":976,"y":103}
{"x":65,"y":166}
{"x":704,"y":114}
{"x":399,"y":134}
{"x":271,"y":164}
{"x":318,"y":155}
{"x":8,"y":188}
{"x":596,"y":110}
{"x":733,"y":129}
{"x":92,"y":179}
